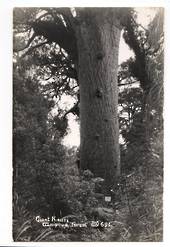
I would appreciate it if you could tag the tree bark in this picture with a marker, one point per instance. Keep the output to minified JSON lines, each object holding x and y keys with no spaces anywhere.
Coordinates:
{"x":98,"y":38}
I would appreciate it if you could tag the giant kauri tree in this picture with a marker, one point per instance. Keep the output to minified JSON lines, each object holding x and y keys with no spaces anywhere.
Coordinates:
{"x":88,"y":46}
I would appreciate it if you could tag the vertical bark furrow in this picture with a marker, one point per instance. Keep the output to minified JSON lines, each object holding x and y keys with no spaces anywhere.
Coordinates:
{"x":99,"y":122}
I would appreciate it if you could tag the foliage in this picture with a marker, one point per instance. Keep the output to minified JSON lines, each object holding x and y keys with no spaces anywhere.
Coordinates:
{"x":47,"y":34}
{"x":142,"y":157}
{"x":46,"y":178}
{"x":36,"y":155}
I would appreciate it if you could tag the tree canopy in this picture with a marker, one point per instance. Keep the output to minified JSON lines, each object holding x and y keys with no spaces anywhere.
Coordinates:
{"x":46,"y":175}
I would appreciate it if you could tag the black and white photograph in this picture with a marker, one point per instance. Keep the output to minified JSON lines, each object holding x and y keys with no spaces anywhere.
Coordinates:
{"x":87,"y":124}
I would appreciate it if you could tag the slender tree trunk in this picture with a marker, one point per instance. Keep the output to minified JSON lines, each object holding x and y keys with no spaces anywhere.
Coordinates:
{"x":98,"y":44}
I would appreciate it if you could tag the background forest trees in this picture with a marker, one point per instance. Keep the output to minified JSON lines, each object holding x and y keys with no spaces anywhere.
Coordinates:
{"x":46,"y":177}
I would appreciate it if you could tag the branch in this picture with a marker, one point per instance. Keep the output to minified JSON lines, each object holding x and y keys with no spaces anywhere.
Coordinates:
{"x":129,"y":83}
{"x":137,"y":24}
{"x":58,"y":33}
{"x":74,"y":110}
{"x":41,"y":16}
{"x":77,"y":86}
{"x":27,"y":45}
{"x":68,"y":17}
{"x":34,"y":47}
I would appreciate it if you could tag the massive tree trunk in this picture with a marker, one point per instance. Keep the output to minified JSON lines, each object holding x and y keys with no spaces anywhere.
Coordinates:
{"x":98,"y":38}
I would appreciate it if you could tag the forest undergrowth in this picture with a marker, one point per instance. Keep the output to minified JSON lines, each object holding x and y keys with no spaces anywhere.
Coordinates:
{"x":135,"y":213}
